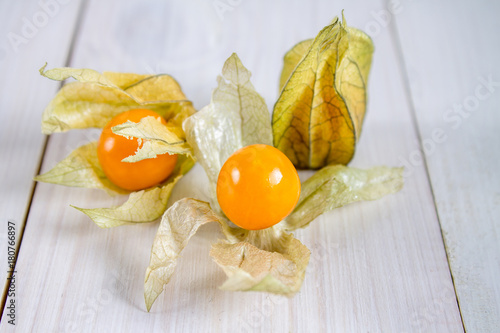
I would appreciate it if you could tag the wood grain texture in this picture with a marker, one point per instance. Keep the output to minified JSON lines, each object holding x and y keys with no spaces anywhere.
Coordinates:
{"x":375,"y":266}
{"x":447,"y":70}
{"x":27,"y":29}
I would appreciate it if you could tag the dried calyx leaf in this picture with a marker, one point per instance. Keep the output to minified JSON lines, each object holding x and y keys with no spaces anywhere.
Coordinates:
{"x":292,"y":58}
{"x":142,"y":206}
{"x":158,"y":139}
{"x":336,"y":186}
{"x":318,"y":116}
{"x":96,"y":98}
{"x":179,"y":223}
{"x":81,"y":169}
{"x":236,"y":117}
{"x":269,"y":260}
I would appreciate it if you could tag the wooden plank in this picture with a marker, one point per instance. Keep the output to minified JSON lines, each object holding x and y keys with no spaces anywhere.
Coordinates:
{"x":377,"y":266}
{"x":451,"y":54}
{"x":27,"y":29}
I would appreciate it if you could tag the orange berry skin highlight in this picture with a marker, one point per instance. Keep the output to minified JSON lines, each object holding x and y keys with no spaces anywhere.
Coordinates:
{"x":257,"y":187}
{"x":112,"y":149}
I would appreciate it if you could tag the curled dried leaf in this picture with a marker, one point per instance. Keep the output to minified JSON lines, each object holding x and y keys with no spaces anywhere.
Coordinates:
{"x":318,"y":116}
{"x":269,"y":260}
{"x":96,"y":98}
{"x":142,"y":206}
{"x":336,"y":186}
{"x":81,"y":169}
{"x":179,"y":223}
{"x":158,"y":139}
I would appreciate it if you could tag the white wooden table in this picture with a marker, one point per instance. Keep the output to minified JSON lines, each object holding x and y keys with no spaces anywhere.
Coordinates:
{"x":426,"y":259}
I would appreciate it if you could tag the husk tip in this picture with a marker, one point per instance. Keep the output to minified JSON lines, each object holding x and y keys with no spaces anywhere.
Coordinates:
{"x":148,"y":304}
{"x":42,"y":69}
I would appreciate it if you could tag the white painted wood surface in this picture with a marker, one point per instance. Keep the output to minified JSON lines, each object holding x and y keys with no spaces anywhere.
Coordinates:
{"x":447,"y":69}
{"x":27,"y":29}
{"x":378,"y":266}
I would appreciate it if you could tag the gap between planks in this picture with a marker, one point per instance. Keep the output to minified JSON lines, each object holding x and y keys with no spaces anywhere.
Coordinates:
{"x":76,"y":29}
{"x":394,"y":35}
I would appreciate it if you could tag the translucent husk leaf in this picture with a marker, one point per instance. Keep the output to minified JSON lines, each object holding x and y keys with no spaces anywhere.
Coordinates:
{"x":292,"y":58}
{"x":141,"y":206}
{"x":158,"y":139}
{"x":179,"y":223}
{"x":268,"y":260}
{"x":96,"y":98}
{"x":237,"y":116}
{"x":81,"y":169}
{"x":337,"y":185}
{"x":318,"y":116}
